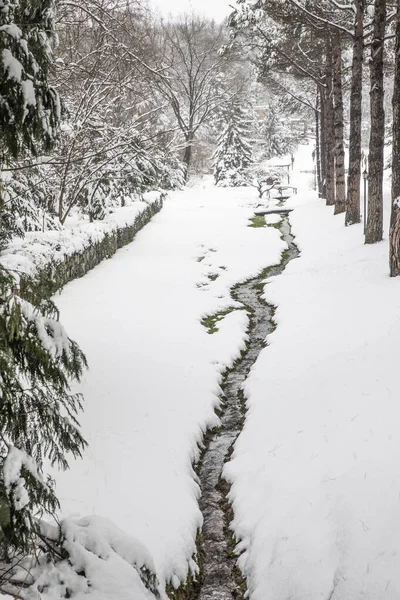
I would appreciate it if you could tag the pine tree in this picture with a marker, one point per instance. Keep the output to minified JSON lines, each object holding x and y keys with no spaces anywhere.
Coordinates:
{"x":232,"y":157}
{"x":276,"y":135}
{"x":38,"y":412}
{"x":29,"y":106}
{"x":38,"y":361}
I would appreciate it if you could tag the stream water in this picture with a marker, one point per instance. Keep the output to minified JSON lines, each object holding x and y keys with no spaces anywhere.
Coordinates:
{"x":221,"y":578}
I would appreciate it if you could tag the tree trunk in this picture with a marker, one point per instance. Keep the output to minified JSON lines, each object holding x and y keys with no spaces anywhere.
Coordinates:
{"x":394,"y":237}
{"x":329,"y":125}
{"x":340,"y":205}
{"x":353,"y":180}
{"x":374,"y":232}
{"x":187,"y":156}
{"x":318,"y":148}
{"x":322,"y":144}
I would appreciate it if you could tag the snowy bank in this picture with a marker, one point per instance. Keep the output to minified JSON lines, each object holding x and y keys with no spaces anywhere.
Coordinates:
{"x":52,"y":258}
{"x":315,"y":475}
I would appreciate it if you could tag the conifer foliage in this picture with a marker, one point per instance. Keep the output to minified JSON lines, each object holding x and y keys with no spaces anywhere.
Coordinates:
{"x":38,"y":413}
{"x":232,"y":157}
{"x":29,"y":106}
{"x":38,"y":361}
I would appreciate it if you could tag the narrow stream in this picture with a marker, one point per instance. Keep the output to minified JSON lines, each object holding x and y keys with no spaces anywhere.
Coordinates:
{"x":221,"y":578}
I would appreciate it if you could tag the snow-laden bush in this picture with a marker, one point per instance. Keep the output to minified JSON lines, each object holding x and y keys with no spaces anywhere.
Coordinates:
{"x":86,"y":559}
{"x":264,"y":179}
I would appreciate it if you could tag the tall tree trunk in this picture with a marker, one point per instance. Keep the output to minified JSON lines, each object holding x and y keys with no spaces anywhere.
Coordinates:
{"x":353,"y":180}
{"x":340,"y":205}
{"x":374,"y":232}
{"x":394,"y":237}
{"x":323,"y":143}
{"x":318,"y":147}
{"x":329,"y":125}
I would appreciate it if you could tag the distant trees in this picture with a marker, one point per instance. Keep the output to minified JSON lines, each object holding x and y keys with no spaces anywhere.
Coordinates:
{"x":324,"y":30}
{"x":191,"y":74}
{"x":111,"y":146}
{"x":274,"y":135}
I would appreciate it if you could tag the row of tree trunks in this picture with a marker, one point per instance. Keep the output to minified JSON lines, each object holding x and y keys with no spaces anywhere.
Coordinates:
{"x":354,"y":174}
{"x":340,"y":201}
{"x":374,"y":231}
{"x":330,"y":130}
{"x":394,"y":241}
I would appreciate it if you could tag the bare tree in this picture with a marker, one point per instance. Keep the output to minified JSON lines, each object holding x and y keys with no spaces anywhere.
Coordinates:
{"x":192,"y":76}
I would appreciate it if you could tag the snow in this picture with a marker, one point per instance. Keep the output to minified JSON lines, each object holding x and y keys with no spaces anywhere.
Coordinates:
{"x":12,"y":65}
{"x":153,"y":383}
{"x":29,"y":92}
{"x":103,"y":563}
{"x":11,"y":471}
{"x":12,"y":30}
{"x":315,"y":476}
{"x":37,"y":249}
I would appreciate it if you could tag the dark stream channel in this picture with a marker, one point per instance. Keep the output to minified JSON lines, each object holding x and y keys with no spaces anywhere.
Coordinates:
{"x":221,"y":579}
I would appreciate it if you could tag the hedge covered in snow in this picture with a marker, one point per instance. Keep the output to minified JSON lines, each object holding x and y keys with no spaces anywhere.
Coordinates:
{"x":51,"y":259}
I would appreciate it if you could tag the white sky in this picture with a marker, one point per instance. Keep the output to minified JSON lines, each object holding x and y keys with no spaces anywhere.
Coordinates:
{"x":216,"y":9}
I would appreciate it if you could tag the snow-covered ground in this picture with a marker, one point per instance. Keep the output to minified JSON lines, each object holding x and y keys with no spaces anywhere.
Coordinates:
{"x":315,"y":473}
{"x":315,"y":480}
{"x":154,"y":376}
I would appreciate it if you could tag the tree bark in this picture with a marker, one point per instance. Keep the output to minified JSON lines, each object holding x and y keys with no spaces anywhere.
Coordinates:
{"x":329,"y":125}
{"x":187,"y":156}
{"x":318,"y":147}
{"x":322,"y":144}
{"x":353,"y":180}
{"x":340,"y":205}
{"x":374,"y":232}
{"x":394,"y":236}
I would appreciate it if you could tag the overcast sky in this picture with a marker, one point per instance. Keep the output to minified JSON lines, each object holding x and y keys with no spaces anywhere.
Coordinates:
{"x":216,"y":9}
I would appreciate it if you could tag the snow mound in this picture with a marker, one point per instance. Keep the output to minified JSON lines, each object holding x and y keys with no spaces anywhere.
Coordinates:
{"x":99,"y":562}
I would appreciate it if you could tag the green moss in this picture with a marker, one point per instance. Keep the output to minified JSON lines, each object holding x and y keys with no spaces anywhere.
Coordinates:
{"x":210,"y":322}
{"x":212,"y":276}
{"x":257,"y":221}
{"x":190,"y":590}
{"x":276,"y":225}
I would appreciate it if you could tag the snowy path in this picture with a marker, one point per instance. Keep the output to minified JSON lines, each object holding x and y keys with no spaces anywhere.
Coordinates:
{"x":154,"y":377}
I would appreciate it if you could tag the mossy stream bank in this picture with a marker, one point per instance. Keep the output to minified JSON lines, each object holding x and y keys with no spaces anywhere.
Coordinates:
{"x":220,"y":578}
